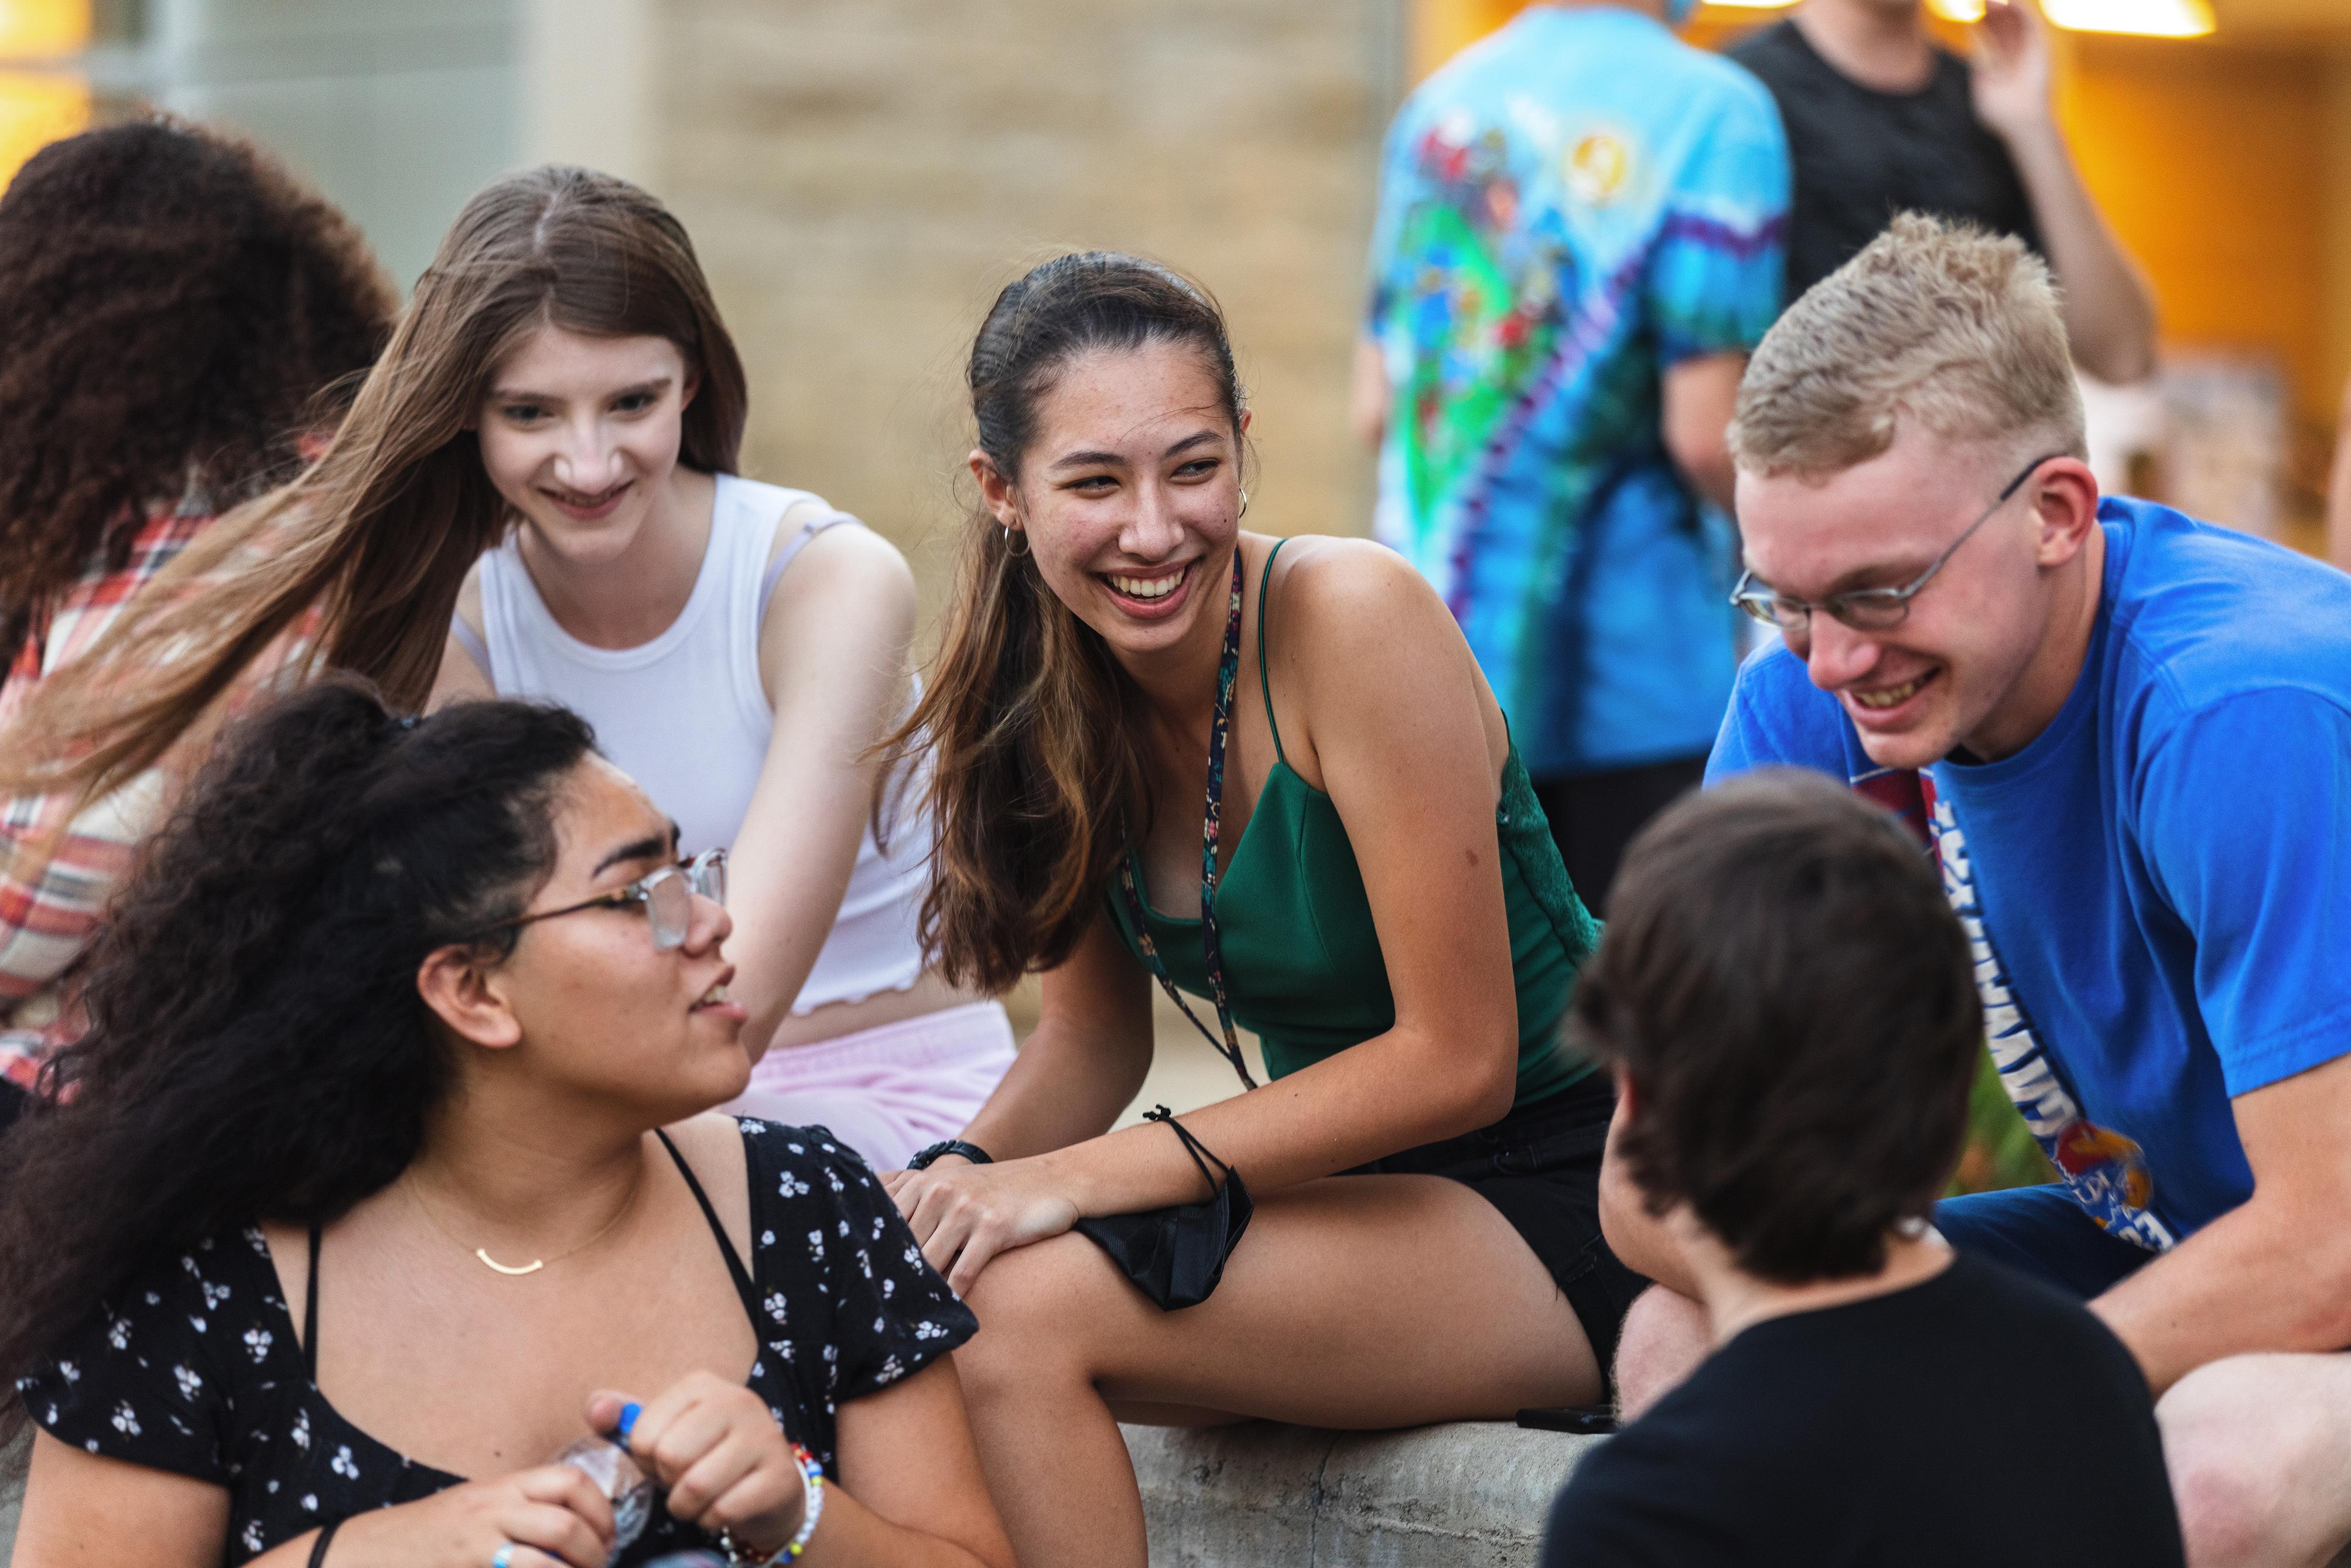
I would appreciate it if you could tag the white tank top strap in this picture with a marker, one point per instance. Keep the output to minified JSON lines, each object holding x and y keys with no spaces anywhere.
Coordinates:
{"x":798,"y":542}
{"x":471,"y":641}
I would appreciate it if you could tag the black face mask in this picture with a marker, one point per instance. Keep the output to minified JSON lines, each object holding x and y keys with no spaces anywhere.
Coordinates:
{"x":1176,"y":1254}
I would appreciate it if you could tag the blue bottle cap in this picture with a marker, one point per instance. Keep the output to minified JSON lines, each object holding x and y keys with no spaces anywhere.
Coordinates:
{"x":628,"y":1413}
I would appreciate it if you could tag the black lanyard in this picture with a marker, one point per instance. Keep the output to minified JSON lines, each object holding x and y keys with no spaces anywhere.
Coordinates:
{"x":1227,"y":672}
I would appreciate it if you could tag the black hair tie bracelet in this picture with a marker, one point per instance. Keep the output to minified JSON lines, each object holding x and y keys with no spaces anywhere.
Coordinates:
{"x":971,"y":1152}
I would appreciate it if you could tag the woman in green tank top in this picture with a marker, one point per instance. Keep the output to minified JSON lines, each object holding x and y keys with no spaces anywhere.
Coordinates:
{"x":1268,"y":774}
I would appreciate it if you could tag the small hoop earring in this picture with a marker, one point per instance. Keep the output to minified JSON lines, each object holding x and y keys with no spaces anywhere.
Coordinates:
{"x":1009,"y":534}
{"x":1244,"y":501}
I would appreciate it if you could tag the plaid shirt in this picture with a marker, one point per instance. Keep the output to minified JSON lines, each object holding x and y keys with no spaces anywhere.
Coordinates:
{"x":55,"y":885}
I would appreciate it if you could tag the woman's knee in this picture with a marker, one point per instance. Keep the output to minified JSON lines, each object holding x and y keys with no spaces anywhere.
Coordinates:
{"x":1037,"y":1314}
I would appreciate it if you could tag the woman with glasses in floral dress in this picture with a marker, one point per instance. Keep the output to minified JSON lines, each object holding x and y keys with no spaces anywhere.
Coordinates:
{"x":384,"y":1174}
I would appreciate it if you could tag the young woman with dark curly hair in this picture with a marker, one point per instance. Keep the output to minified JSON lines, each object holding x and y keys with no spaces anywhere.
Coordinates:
{"x":1266,"y":772}
{"x":384,"y":1165}
{"x":178,"y":314}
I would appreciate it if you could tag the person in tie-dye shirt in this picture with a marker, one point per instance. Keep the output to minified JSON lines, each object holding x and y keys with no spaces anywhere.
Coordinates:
{"x":1580,"y":236}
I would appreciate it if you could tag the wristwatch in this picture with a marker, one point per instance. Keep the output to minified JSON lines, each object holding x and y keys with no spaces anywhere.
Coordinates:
{"x":971,"y":1152}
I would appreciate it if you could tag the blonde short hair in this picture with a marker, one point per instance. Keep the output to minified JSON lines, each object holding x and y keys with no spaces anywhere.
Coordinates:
{"x":1940,"y":322}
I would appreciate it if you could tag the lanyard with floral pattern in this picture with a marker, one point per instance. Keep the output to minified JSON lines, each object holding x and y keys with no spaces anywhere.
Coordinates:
{"x":1228,"y":672}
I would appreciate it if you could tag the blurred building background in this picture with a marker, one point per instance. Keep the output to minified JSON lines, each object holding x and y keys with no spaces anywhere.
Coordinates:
{"x":862,"y":177}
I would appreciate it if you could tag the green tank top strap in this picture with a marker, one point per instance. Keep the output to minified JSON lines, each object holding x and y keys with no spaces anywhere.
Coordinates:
{"x":1264,"y":681}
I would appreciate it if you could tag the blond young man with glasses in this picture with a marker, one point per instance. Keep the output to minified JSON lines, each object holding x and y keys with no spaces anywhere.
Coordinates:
{"x":2127,"y":735}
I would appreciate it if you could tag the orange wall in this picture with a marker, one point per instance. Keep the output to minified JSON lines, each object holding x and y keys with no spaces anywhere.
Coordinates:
{"x":35,"y":109}
{"x":2213,"y":165}
{"x":1443,"y":28}
{"x":2338,"y":217}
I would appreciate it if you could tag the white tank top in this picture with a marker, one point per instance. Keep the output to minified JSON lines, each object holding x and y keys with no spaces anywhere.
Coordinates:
{"x":687,"y":716}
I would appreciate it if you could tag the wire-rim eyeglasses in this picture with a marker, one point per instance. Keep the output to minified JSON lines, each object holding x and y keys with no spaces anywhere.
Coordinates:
{"x":1867,"y":609}
{"x":666,"y":895}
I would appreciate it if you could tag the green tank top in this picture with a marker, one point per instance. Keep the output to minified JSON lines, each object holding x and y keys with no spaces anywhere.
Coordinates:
{"x":1304,"y":969}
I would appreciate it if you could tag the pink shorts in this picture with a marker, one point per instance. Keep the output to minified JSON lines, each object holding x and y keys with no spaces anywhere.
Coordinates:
{"x":892,"y":1091}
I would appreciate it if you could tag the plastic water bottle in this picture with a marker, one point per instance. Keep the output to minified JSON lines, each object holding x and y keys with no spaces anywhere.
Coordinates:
{"x":606,"y":1461}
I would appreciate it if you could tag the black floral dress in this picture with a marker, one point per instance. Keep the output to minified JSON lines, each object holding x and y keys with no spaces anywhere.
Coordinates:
{"x":197,"y":1368}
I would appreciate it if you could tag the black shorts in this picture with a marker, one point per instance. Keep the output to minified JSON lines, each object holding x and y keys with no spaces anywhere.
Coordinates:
{"x":1540,"y":1166}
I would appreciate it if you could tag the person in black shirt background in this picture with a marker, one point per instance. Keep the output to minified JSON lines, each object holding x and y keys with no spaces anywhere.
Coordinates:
{"x":1882,"y":121}
{"x":1790,"y":1007}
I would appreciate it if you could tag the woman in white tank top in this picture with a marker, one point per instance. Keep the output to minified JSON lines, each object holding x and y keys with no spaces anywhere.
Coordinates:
{"x":739,"y":648}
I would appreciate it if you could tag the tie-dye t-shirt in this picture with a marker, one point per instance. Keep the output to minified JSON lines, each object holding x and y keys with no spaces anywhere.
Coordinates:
{"x":1569,"y":208}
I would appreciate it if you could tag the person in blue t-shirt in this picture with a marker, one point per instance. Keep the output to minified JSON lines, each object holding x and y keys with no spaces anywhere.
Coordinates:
{"x":2128,"y":736}
{"x":1580,"y":238}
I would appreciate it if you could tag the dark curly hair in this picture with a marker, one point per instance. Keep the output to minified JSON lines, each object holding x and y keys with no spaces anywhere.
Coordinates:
{"x":258,"y":1049}
{"x":1793,"y":1001}
{"x":175,"y":312}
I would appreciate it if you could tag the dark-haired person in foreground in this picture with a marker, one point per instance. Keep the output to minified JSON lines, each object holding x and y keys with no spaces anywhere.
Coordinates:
{"x":173,"y":305}
{"x":384,"y":1173}
{"x":1790,"y":1007}
{"x":2128,"y":734}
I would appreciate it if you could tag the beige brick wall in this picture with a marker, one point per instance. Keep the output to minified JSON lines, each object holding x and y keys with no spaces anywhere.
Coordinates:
{"x":862,"y":177}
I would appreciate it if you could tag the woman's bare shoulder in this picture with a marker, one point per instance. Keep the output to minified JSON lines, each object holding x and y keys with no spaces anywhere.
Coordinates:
{"x":1340,"y":598}
{"x":712,"y":1143}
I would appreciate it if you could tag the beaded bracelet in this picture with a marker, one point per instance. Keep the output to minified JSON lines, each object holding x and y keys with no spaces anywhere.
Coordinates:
{"x":812,"y":1510}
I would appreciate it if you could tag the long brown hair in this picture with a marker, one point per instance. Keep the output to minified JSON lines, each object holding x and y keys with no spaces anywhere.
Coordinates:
{"x":179,"y":314}
{"x":1034,"y":758}
{"x":379,"y":533}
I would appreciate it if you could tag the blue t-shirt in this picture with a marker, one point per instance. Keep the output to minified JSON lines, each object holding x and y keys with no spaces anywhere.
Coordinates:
{"x":2159,"y":885}
{"x":1567,"y":209}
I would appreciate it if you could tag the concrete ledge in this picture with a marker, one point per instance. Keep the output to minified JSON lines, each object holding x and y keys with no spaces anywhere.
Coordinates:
{"x":14,"y":1461}
{"x":1264,"y":1496}
{"x":1471,"y":1495}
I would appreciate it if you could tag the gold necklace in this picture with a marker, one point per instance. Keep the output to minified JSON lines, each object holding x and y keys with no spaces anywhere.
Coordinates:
{"x":536,"y":1264}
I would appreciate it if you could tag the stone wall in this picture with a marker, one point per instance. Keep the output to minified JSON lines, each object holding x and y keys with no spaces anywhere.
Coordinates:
{"x":862,"y":177}
{"x":1258,"y":1495}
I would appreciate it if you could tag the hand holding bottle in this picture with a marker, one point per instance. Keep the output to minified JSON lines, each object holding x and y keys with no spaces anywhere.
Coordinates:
{"x":716,"y":1450}
{"x":551,"y":1516}
{"x":617,"y":1479}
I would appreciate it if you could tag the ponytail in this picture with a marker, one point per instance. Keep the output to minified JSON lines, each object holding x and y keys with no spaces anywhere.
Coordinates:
{"x":1031,"y":758}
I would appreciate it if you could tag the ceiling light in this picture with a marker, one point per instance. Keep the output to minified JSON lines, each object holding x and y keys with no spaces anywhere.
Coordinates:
{"x":2148,"y":18}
